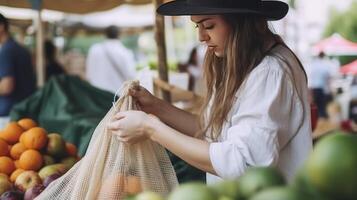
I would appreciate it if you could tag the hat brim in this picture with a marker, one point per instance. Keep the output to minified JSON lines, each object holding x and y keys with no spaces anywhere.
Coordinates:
{"x":271,"y":10}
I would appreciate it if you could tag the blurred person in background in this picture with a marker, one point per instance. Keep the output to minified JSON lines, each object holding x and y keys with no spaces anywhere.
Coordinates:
{"x":191,"y":68}
{"x":256,"y":110}
{"x":319,"y":76}
{"x":17,"y":78}
{"x":109,"y":63}
{"x":194,"y":67}
{"x":53,"y":67}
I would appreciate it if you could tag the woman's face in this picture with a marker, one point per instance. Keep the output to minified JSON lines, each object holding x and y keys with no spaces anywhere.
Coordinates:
{"x":213,"y":30}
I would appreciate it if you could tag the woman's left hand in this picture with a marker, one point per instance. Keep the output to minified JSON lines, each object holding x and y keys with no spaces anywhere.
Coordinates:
{"x":129,"y":126}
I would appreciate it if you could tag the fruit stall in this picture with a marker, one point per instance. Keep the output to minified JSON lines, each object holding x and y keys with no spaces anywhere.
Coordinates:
{"x":38,"y":149}
{"x":31,"y":158}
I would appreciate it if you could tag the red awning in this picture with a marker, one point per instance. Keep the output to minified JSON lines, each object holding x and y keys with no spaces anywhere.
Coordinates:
{"x":335,"y":45}
{"x":350,"y":68}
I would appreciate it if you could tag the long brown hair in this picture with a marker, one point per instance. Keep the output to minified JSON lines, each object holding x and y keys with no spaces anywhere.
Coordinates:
{"x":245,"y":48}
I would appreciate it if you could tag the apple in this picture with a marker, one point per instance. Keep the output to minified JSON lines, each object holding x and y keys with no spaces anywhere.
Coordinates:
{"x":69,"y":161}
{"x":12,"y":195}
{"x":27,"y":179}
{"x":48,"y":160}
{"x":5,"y":184}
{"x":148,"y":195}
{"x":56,"y":146}
{"x":5,"y":176}
{"x":33,"y":192}
{"x":52,"y":169}
{"x":50,"y":179}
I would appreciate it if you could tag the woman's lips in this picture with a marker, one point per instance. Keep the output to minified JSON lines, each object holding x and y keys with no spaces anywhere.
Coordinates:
{"x":211,"y":48}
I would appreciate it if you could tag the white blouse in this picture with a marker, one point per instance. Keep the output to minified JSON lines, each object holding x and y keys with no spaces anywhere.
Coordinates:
{"x":269,"y":124}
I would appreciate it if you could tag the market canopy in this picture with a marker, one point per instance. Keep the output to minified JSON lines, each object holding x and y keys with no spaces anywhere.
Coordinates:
{"x":350,"y":68}
{"x":73,"y":6}
{"x":28,"y":14}
{"x":335,"y":45}
{"x":122,"y":16}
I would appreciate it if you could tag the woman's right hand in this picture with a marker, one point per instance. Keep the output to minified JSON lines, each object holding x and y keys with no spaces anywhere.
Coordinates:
{"x":176,"y":118}
{"x":147,"y":102}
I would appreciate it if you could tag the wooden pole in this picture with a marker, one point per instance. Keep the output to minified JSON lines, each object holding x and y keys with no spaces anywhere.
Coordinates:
{"x":161,"y":48}
{"x":40,"y":67}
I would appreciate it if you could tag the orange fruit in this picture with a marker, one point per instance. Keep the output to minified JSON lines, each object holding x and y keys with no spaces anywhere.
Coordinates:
{"x":112,"y":187}
{"x":17,"y":164}
{"x":133,"y":185}
{"x":7,"y":165}
{"x":27,"y":123}
{"x":31,"y":160}
{"x":17,"y":150}
{"x":71,"y":149}
{"x":35,"y":138}
{"x":4,"y":148}
{"x":21,"y":139}
{"x":11,"y":133}
{"x":15,"y":174}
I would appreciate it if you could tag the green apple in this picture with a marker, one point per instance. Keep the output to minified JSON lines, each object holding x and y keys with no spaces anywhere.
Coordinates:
{"x":4,"y":176}
{"x":5,"y":185}
{"x":48,"y":160}
{"x":56,"y":146}
{"x":69,"y":161}
{"x":52,"y":169}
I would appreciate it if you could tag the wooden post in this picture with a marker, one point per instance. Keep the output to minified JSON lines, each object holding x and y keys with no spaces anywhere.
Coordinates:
{"x":40,"y":67}
{"x":161,"y":48}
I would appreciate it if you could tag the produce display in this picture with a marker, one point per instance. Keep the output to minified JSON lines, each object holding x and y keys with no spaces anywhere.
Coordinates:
{"x":330,"y":173}
{"x":31,"y":158}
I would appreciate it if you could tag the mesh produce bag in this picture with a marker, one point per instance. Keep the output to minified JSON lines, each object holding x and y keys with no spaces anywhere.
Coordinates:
{"x":111,"y":169}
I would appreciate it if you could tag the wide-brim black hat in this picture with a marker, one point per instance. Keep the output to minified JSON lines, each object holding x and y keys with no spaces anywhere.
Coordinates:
{"x":271,"y":10}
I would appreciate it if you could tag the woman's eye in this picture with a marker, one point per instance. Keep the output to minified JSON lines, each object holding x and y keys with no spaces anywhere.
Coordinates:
{"x":196,"y":26}
{"x":209,"y":27}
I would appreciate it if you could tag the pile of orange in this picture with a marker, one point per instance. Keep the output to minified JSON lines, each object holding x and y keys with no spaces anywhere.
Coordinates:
{"x":21,"y":145}
{"x":115,"y":186}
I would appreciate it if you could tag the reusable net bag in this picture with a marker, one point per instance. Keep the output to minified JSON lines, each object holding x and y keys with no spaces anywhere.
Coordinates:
{"x":111,"y":169}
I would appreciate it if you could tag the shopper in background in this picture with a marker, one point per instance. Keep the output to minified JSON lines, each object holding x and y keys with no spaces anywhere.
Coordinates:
{"x":109,"y":63}
{"x":53,"y":67}
{"x":17,"y":78}
{"x":319,"y":76}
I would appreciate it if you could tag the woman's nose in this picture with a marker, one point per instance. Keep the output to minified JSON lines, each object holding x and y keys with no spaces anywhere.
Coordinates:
{"x":202,"y":35}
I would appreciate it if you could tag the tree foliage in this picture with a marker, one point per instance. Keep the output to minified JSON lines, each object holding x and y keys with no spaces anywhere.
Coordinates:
{"x":344,"y":23}
{"x":292,"y":4}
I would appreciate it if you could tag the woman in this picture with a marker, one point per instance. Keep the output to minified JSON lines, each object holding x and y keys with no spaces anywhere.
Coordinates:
{"x":256,"y":111}
{"x":53,"y":67}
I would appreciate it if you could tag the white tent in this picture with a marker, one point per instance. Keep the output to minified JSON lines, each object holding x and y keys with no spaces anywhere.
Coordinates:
{"x":29,"y":14}
{"x":122,"y":16}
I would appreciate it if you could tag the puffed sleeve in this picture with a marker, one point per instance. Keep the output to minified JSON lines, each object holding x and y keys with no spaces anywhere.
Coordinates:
{"x":265,"y":101}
